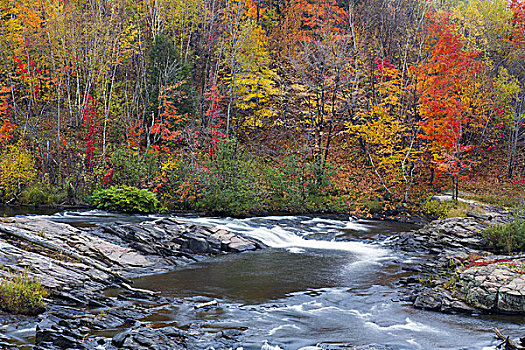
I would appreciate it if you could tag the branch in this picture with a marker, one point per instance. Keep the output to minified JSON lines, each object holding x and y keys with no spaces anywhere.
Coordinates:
{"x":509,"y":343}
{"x":379,"y":176}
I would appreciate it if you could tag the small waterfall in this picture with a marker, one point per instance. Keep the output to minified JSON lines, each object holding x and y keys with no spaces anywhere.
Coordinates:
{"x":293,"y":232}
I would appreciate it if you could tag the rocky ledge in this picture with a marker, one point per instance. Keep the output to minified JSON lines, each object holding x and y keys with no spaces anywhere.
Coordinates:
{"x":457,"y":273}
{"x":77,"y":264}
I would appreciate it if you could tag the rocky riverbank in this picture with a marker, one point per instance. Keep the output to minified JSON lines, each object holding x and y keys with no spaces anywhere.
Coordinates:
{"x":458,"y":274}
{"x":76,"y":265}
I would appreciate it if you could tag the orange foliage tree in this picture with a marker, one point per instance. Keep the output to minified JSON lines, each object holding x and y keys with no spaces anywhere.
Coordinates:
{"x":452,"y":106}
{"x":6,"y":127}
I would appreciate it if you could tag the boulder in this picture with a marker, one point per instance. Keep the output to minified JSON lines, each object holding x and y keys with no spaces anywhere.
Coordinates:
{"x":495,"y":287}
{"x":143,"y":337}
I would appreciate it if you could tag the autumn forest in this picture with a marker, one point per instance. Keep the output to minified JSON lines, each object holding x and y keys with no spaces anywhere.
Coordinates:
{"x":249,"y":106}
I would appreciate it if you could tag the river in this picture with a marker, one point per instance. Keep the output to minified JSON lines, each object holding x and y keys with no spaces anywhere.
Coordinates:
{"x":324,"y":282}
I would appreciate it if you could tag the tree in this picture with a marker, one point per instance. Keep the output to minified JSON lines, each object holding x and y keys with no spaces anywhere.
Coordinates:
{"x":452,"y":101}
{"x":17,"y":169}
{"x":6,"y":127}
{"x":167,"y":78}
{"x":323,"y":65}
{"x":390,"y":139}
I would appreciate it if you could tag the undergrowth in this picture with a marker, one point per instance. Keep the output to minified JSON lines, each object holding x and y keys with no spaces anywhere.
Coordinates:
{"x":22,"y":294}
{"x":125,"y":199}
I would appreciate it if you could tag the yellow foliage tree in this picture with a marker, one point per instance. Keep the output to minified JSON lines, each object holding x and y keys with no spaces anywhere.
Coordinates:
{"x":249,"y":76}
{"x":482,"y":23}
{"x":389,"y":137}
{"x":17,"y":170}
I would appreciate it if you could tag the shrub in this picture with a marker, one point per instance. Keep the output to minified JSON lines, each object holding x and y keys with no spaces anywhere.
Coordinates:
{"x":42,"y":193}
{"x":298,"y":187}
{"x":440,"y":210}
{"x":232,"y":185}
{"x":500,"y":200}
{"x":22,"y":295}
{"x":126,"y":199}
{"x":375,"y":206}
{"x":17,"y":169}
{"x":508,"y":237}
{"x":178,"y":183}
{"x":284,"y":188}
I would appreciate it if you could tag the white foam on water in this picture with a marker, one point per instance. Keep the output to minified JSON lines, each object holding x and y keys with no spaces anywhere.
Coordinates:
{"x":295,"y":250}
{"x":409,"y":325}
{"x":362,"y":315}
{"x":412,"y":341}
{"x":267,"y":346}
{"x":276,"y":329}
{"x":276,"y":236}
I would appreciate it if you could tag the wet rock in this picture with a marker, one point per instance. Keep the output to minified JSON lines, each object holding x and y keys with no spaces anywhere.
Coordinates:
{"x":439,"y":299}
{"x":491,"y":284}
{"x":143,"y":337}
{"x":53,"y":332}
{"x":119,"y":339}
{"x":239,"y":244}
{"x":196,"y":244}
{"x":231,"y":333}
{"x":458,"y":234}
{"x":75,"y":265}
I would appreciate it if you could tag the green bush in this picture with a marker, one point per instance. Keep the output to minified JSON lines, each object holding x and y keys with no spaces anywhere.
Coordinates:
{"x":508,"y":237}
{"x":441,"y":210}
{"x":283,"y":187}
{"x":297,"y":187}
{"x":125,"y":199}
{"x":22,"y":295}
{"x":232,"y":187}
{"x":374,"y":206}
{"x":42,"y":193}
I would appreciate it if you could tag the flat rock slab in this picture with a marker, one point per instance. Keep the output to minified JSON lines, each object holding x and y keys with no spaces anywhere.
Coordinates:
{"x":65,"y":258}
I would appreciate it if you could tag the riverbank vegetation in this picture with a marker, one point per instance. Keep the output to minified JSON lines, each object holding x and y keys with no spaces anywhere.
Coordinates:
{"x":22,"y":294}
{"x":243,"y":106}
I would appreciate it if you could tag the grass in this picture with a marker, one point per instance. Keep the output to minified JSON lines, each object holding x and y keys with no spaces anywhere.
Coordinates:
{"x":505,"y":201}
{"x":442,"y":210}
{"x":22,"y":294}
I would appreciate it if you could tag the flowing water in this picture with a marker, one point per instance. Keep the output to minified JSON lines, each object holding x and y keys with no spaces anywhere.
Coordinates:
{"x":323,"y":282}
{"x":326,"y":282}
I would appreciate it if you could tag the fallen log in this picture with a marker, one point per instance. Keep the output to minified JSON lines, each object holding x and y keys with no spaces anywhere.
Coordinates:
{"x":507,"y":342}
{"x":139,"y":290}
{"x":207,"y":304}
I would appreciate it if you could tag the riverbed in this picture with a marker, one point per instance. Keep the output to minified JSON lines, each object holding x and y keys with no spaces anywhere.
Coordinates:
{"x":326,"y":282}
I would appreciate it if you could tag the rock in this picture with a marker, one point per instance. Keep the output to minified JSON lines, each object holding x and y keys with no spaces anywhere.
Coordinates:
{"x":231,"y":333}
{"x":118,"y":340}
{"x":481,"y":216}
{"x":439,"y":299}
{"x":76,"y":264}
{"x":240,"y":244}
{"x":196,"y":244}
{"x":143,"y":337}
{"x":495,"y":286}
{"x":429,"y":300}
{"x":55,"y":333}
